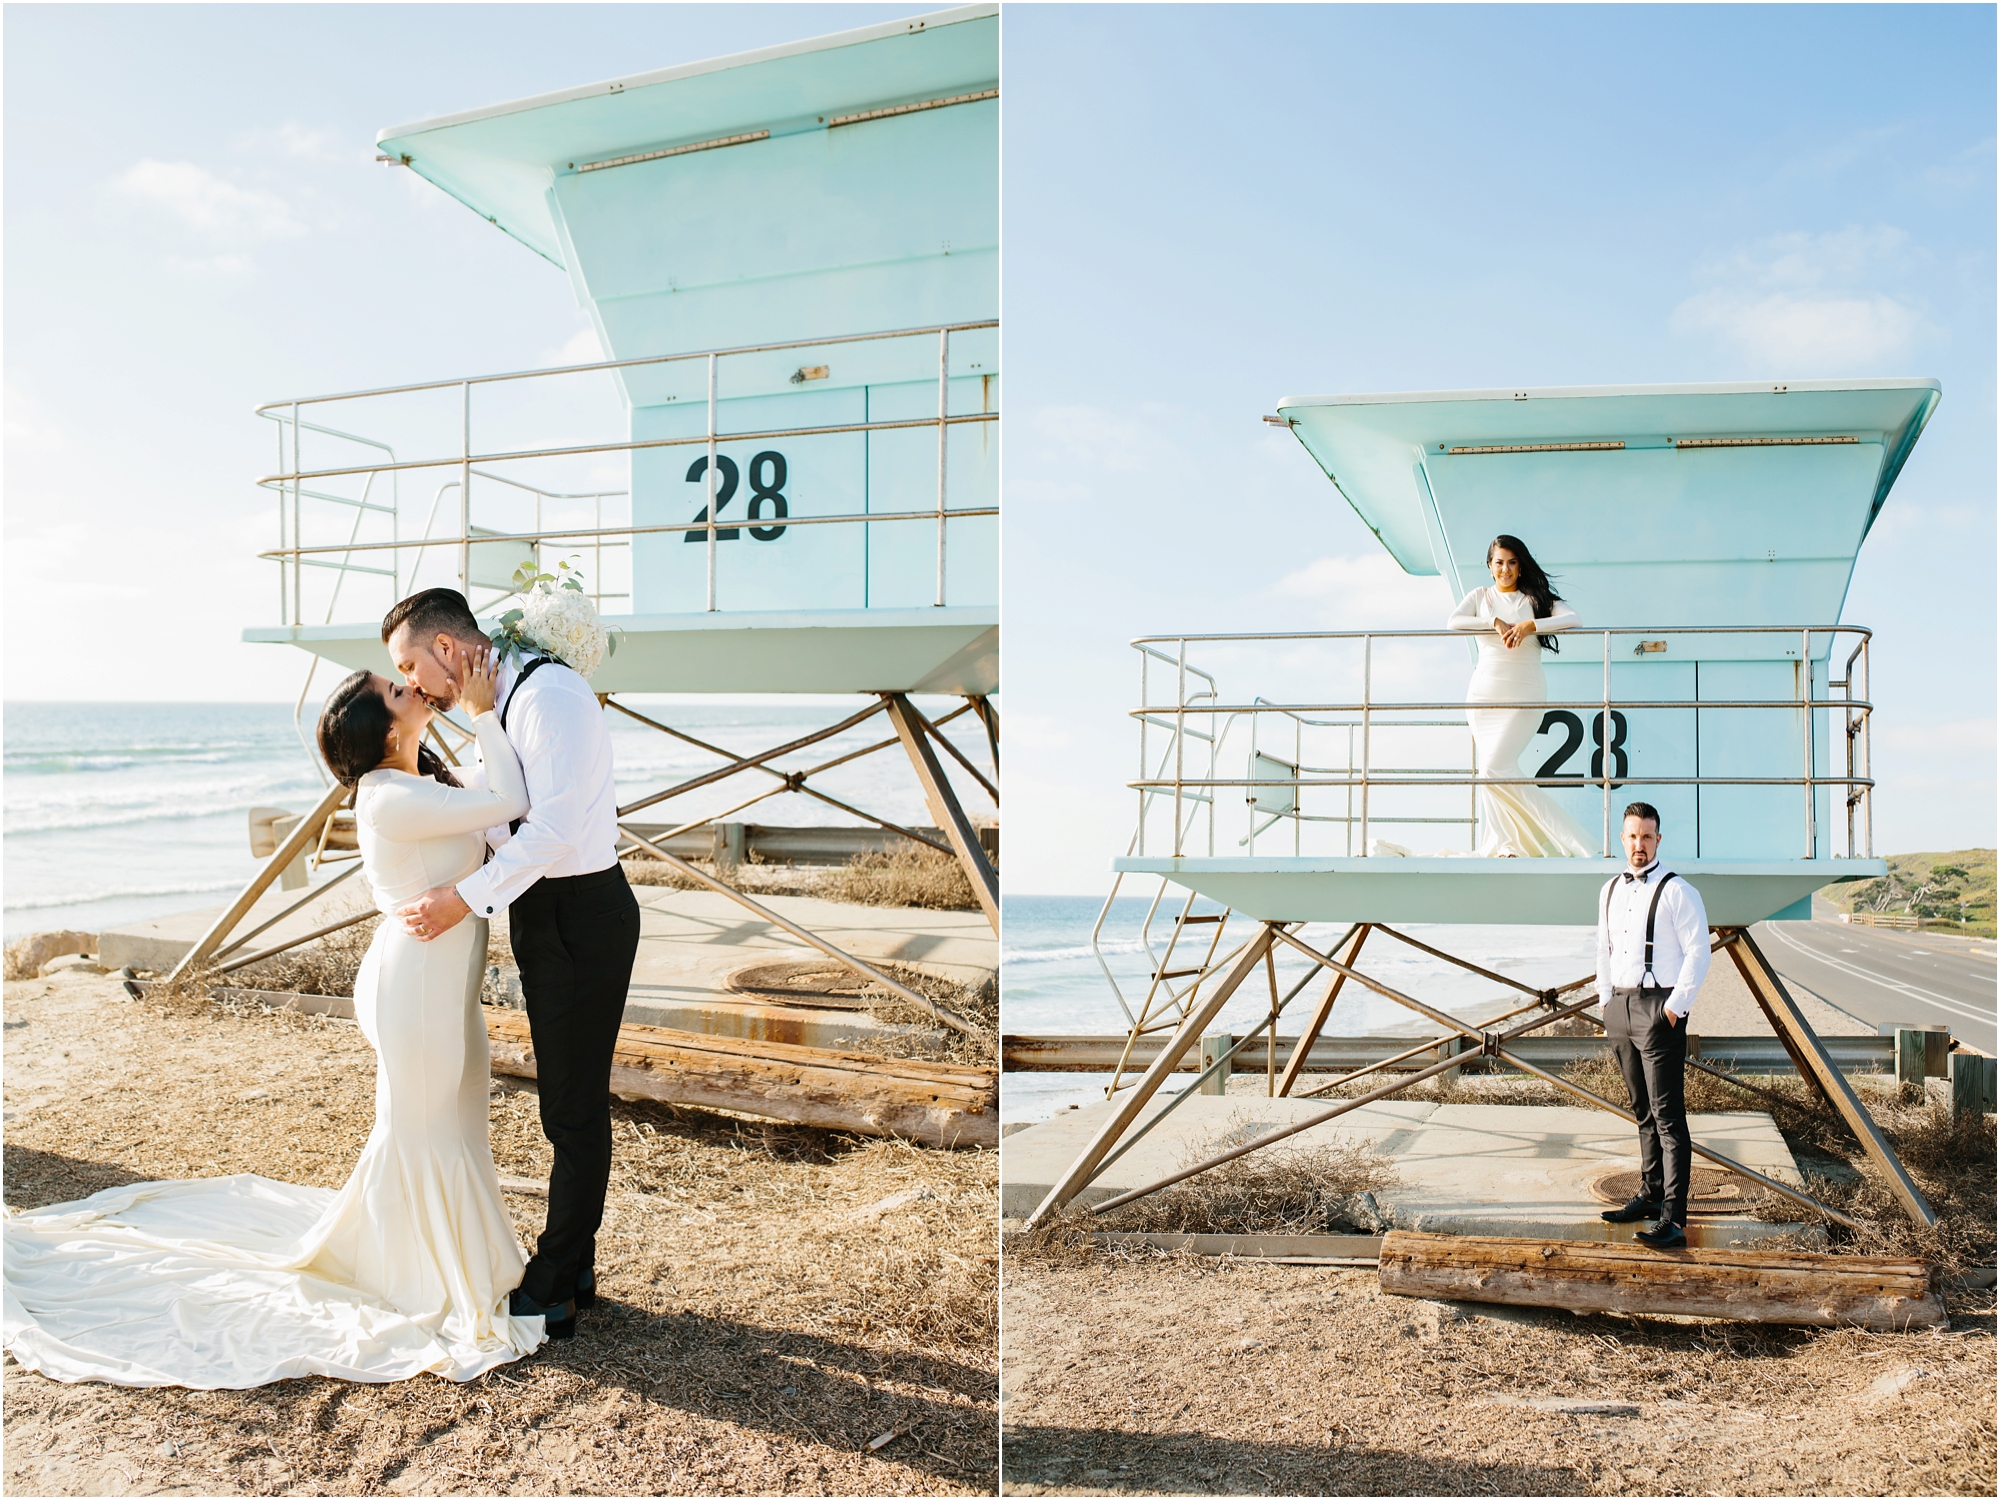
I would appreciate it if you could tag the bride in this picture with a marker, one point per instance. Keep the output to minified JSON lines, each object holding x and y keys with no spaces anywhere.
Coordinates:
{"x":1517,"y":617}
{"x":237,"y":1281}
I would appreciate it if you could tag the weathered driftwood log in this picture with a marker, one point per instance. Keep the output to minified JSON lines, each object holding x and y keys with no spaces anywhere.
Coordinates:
{"x":1755,"y":1286}
{"x":939,"y":1104}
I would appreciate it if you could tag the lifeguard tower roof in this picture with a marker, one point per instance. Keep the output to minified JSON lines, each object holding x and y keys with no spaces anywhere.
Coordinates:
{"x":500,"y":161}
{"x":1704,"y":534}
{"x":1740,"y":504}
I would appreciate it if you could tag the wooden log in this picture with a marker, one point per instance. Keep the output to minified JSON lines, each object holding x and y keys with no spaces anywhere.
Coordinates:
{"x":938,"y":1104}
{"x":1752,"y":1286}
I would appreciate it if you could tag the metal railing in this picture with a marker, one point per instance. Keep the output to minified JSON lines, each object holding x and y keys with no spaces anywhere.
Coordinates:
{"x":292,"y":481}
{"x":1198,"y":726}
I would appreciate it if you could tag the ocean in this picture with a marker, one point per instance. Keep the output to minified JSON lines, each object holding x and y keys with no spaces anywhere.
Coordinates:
{"x":117,"y":812}
{"x":1051,"y":983}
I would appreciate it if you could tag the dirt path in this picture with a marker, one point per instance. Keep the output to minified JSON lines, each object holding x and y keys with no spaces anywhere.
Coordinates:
{"x":763,"y":1315}
{"x":1170,"y":1375}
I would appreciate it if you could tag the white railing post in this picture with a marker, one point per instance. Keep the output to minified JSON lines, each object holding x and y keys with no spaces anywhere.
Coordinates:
{"x":1145,"y":708}
{"x":1806,"y":735}
{"x":298,"y":535}
{"x":1604,"y":745}
{"x":1867,"y":751}
{"x":1367,"y":728}
{"x":465,"y":492}
{"x":711,"y":482}
{"x":944,"y":392}
{"x":1180,"y":737}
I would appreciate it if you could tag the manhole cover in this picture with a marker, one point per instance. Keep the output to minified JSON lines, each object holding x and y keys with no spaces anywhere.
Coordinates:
{"x":1713,"y":1190}
{"x":819,"y":984}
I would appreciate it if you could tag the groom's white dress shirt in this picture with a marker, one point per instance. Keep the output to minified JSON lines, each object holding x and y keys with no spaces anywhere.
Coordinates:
{"x":557,"y":728}
{"x":1680,"y":936}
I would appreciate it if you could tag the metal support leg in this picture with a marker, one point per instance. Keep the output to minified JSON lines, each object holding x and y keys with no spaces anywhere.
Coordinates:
{"x":1790,"y":1022}
{"x":944,"y":806}
{"x":296,"y":842}
{"x":1085,"y":1166}
{"x":1297,"y":1064}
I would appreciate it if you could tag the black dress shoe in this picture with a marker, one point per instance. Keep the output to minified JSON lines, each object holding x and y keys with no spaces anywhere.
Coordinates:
{"x":586,"y":1289}
{"x":1665,"y":1235}
{"x":561,"y":1319}
{"x":1634,"y":1210}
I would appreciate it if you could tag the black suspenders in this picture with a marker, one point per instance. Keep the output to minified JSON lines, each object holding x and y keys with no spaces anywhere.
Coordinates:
{"x":1652,"y":915}
{"x":542,"y":661}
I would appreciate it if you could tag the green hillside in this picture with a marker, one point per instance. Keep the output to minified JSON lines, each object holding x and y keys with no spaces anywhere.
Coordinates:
{"x":1955,"y":886}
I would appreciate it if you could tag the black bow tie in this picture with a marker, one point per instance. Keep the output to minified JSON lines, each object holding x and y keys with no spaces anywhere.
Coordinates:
{"x":1638,"y":875}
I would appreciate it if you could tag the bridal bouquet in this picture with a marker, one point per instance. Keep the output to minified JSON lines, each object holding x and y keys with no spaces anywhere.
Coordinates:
{"x":556,"y":618}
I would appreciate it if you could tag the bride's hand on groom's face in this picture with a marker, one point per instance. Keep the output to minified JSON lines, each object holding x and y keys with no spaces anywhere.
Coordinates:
{"x":480,"y":687}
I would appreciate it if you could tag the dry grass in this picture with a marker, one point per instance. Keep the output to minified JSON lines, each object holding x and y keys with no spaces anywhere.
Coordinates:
{"x":910,"y":875}
{"x":751,"y":878}
{"x":773,"y":1297}
{"x":1181,"y":1375}
{"x":1285,"y":1190}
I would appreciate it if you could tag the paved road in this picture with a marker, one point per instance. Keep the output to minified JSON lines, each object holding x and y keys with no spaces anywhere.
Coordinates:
{"x":1877,"y":975}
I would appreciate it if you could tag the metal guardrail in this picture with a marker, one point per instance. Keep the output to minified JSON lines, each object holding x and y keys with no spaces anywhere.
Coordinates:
{"x":291,"y":482}
{"x":1741,"y":1054}
{"x":1277,"y":797}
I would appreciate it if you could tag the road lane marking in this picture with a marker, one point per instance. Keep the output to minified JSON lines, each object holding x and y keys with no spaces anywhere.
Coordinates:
{"x":1955,"y":1007}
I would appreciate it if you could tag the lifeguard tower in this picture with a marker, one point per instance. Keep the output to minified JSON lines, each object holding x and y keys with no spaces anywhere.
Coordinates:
{"x":784,"y":479}
{"x":1705,"y":535}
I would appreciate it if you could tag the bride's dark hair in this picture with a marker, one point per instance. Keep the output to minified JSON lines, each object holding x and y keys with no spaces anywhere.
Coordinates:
{"x":1533,"y":582}
{"x":354,"y":734}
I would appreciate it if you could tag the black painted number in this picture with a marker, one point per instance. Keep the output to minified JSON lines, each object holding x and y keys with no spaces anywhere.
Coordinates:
{"x":1572,"y":728}
{"x":726,"y":467}
{"x":767,"y":483}
{"x":767,"y":479}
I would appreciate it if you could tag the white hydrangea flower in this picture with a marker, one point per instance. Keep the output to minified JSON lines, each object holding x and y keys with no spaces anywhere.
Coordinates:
{"x":563,"y":623}
{"x":555,"y":618}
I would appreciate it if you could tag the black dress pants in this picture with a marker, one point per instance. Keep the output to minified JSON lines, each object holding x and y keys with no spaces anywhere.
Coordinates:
{"x":1652,"y":1054}
{"x":574,"y":940}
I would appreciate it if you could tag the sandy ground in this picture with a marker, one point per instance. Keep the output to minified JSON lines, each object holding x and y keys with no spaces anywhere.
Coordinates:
{"x":763,"y":1316}
{"x":1172,"y":1375}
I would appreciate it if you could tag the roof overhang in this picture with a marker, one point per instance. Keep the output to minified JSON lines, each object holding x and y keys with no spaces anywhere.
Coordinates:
{"x":1701,"y":477}
{"x":500,"y":161}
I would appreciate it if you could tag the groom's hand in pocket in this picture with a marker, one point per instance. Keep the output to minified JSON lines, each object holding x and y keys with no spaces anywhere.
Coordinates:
{"x":434,"y":913}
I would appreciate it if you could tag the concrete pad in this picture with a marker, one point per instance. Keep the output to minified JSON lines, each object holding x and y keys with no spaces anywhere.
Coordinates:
{"x":1517,"y":1170}
{"x":1035,"y":1159}
{"x":690,"y":942}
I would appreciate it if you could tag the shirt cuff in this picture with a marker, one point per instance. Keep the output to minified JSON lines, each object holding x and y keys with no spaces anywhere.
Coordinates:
{"x":478,"y":894}
{"x":1679,"y":1006}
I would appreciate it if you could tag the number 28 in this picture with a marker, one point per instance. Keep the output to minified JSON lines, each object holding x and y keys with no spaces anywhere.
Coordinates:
{"x":767,"y":482}
{"x":1572,"y":727}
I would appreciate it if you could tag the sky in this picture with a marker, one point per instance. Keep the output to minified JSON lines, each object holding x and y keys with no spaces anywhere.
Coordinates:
{"x":1206,"y":208}
{"x":195,"y":224}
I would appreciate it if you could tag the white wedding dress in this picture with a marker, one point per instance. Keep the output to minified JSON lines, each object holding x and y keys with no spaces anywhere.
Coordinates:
{"x":1517,"y":820}
{"x":232,"y":1282}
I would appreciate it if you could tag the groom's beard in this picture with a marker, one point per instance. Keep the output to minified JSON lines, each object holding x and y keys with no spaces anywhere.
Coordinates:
{"x":440,"y":705}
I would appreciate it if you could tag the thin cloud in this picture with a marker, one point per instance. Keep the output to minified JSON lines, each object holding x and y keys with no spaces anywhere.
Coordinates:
{"x":1812,"y":304}
{"x":1364,"y":593}
{"x":209,"y":204}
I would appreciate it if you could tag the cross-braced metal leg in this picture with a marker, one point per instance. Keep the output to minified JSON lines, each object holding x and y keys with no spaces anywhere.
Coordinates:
{"x":1786,"y":1020}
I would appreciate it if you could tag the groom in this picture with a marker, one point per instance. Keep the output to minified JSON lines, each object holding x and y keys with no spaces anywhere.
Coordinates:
{"x":573,"y":921}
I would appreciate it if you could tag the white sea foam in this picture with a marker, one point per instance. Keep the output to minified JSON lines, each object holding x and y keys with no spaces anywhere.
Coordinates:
{"x":117,"y":893}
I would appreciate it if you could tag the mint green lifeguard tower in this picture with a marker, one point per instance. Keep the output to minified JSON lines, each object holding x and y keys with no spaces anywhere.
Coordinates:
{"x":1705,"y":535}
{"x":784,"y":476}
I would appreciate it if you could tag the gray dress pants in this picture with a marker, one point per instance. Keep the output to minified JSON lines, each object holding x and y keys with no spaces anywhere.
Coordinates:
{"x":1652,"y":1054}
